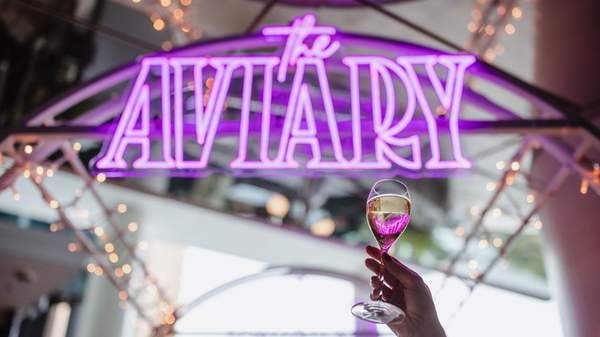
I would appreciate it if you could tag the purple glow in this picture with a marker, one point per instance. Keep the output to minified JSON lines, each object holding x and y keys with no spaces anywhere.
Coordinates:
{"x":374,"y":136}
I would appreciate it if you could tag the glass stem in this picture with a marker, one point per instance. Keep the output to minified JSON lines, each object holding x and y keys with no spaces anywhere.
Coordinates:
{"x":380,"y":274}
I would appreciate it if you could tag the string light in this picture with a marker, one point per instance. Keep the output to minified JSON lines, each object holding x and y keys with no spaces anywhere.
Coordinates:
{"x":510,"y":29}
{"x":26,"y":173}
{"x":323,"y":227}
{"x":490,"y":186}
{"x":474,"y":211}
{"x":16,"y":195}
{"x":583,"y":188}
{"x":517,"y":13}
{"x":459,"y":231}
{"x":98,"y":271}
{"x":99,"y":231}
{"x":119,"y":272}
{"x":537,"y":224}
{"x":178,"y":14}
{"x":158,"y":24}
{"x":185,"y":2}
{"x":55,"y":227}
{"x":54,"y":204}
{"x":142,"y":245}
{"x":483,"y":243}
{"x":501,"y":165}
{"x":39,"y":170}
{"x":515,"y":166}
{"x":28,"y":149}
{"x":101,"y":177}
{"x":530,"y":198}
{"x":510,"y":179}
{"x":132,"y":227}
{"x":113,"y":257}
{"x":497,"y":242}
{"x":90,"y":267}
{"x":473,"y":264}
{"x":109,"y":247}
{"x":497,"y":212}
{"x":167,"y":45}
{"x":77,"y":146}
{"x":72,"y":247}
{"x":49,"y":172}
{"x":121,"y":208}
{"x":123,"y":295}
{"x":126,"y":268}
{"x":165,"y":3}
{"x":278,"y":206}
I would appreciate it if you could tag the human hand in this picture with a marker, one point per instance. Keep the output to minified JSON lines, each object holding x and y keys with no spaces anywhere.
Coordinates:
{"x":405,"y":289}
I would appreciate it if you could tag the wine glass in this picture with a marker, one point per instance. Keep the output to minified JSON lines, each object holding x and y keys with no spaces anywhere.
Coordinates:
{"x":388,"y":214}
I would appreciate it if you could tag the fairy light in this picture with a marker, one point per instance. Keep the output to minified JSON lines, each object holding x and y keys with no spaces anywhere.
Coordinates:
{"x":77,"y":146}
{"x":109,"y":247}
{"x":16,"y":195}
{"x":123,"y":295}
{"x":459,"y":231}
{"x":497,"y":212}
{"x":98,"y":271}
{"x":158,"y":24}
{"x":324,"y":227}
{"x":510,"y":179}
{"x":113,"y":257}
{"x":167,"y":45}
{"x":165,"y":3}
{"x":490,"y":186}
{"x":537,"y":224}
{"x":90,"y":267}
{"x":490,"y":30}
{"x":501,"y":165}
{"x":178,"y":14}
{"x":119,"y":272}
{"x":26,"y":173}
{"x":278,"y":206}
{"x":55,"y":227}
{"x":185,"y":2}
{"x":497,"y":242}
{"x":126,"y":268}
{"x":39,"y":170}
{"x":121,"y":208}
{"x":483,"y":243}
{"x":474,"y":210}
{"x":72,"y":247}
{"x":474,"y":274}
{"x":186,"y":28}
{"x":517,"y":13}
{"x":132,"y":227}
{"x":473,"y":264}
{"x":170,"y":319}
{"x":49,"y":172}
{"x":99,"y":231}
{"x":142,"y":245}
{"x":510,"y":29}
{"x":515,"y":166}
{"x":136,"y":1}
{"x":530,"y":198}
{"x":101,"y":177}
{"x":501,"y":9}
{"x":28,"y":149}
{"x":54,"y":204}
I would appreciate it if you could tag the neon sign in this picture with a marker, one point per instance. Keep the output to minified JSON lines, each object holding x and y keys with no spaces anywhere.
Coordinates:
{"x":308,"y":125}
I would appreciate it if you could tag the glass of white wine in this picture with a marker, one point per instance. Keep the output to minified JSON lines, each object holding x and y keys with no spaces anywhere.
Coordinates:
{"x":388,"y":214}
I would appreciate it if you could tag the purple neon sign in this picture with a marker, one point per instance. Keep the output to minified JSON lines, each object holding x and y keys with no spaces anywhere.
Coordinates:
{"x":307,"y":125}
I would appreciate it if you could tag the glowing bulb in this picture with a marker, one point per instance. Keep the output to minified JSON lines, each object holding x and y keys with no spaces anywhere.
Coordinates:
{"x":530,"y":198}
{"x":517,"y":13}
{"x":483,"y":243}
{"x":510,"y":29}
{"x":49,"y":172}
{"x":158,"y":24}
{"x":497,"y":242}
{"x":278,"y":206}
{"x":126,"y":268}
{"x":121,"y":208}
{"x":515,"y":166}
{"x":169,"y":319}
{"x":167,"y":45}
{"x":186,"y":29}
{"x":497,"y":212}
{"x":490,"y":30}
{"x":472,"y":27}
{"x":54,"y":227}
{"x":323,"y":227}
{"x":474,"y":210}
{"x":165,"y":3}
{"x":473,"y":274}
{"x":132,"y":227}
{"x":77,"y":146}
{"x":501,"y":9}
{"x":28,"y":149}
{"x":90,"y":268}
{"x":123,"y":295}
{"x":119,"y":272}
{"x":510,"y":179}
{"x":537,"y":224}
{"x":98,"y":271}
{"x":101,"y":177}
{"x":26,"y":173}
{"x":473,"y":264}
{"x":72,"y":247}
{"x":39,"y":170}
{"x":136,"y":1}
{"x":185,"y":2}
{"x":113,"y":257}
{"x":16,"y":196}
{"x":178,"y":14}
{"x":54,"y":204}
{"x":142,"y":245}
{"x":500,"y":165}
{"x":459,"y":231}
{"x":109,"y":247}
{"x":490,"y":186}
{"x":583,"y":188}
{"x":99,"y":231}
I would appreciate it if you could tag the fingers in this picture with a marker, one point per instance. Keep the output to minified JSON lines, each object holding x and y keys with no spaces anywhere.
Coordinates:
{"x":405,"y":275}
{"x":386,"y":293}
{"x":374,"y":253}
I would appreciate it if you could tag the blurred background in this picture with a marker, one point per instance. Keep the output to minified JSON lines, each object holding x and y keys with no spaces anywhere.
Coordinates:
{"x":283,"y":255}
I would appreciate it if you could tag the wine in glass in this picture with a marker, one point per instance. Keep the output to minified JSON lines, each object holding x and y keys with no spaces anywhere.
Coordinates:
{"x":388,"y":214}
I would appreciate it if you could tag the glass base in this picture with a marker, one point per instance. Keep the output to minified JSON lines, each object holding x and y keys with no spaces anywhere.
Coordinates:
{"x":377,"y":312}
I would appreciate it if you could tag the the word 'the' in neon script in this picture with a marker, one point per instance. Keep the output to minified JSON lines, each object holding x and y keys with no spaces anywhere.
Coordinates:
{"x":371,"y":136}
